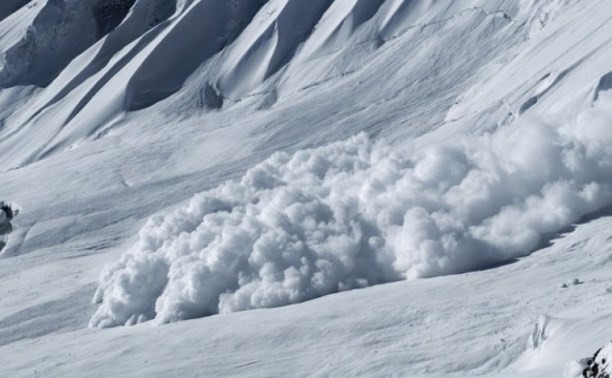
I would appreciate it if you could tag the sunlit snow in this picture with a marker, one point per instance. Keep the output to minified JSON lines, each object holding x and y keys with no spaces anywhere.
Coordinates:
{"x":327,"y":188}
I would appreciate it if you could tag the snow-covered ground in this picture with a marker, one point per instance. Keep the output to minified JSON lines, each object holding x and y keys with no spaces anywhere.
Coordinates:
{"x":449,"y":161}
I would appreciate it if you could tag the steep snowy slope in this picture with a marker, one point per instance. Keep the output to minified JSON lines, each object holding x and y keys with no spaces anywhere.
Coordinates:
{"x":487,"y":132}
{"x":247,"y":52}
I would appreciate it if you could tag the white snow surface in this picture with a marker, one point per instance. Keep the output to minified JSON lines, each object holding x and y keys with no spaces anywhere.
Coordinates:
{"x":451,"y":160}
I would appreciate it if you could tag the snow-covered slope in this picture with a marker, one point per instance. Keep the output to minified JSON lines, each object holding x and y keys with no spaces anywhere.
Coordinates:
{"x":236,"y":54}
{"x":487,"y":128}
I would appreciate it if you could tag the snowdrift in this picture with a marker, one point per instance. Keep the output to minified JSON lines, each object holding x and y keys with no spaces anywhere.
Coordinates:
{"x":358,"y":213}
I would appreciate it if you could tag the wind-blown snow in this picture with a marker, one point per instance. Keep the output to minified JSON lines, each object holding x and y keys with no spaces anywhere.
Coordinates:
{"x":357,"y":213}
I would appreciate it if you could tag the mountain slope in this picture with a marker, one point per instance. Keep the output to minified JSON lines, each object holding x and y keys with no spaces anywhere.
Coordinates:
{"x":139,"y":105}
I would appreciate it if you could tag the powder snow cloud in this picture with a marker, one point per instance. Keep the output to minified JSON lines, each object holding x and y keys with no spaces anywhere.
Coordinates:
{"x":359,"y":213}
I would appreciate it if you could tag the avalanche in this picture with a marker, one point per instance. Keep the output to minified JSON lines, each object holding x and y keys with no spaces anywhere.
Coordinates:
{"x":357,"y":213}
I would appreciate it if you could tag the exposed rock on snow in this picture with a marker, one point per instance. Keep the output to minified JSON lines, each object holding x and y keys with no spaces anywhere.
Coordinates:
{"x":7,"y":213}
{"x":572,"y":282}
{"x":597,"y":366}
{"x":210,"y":98}
{"x":110,"y":13}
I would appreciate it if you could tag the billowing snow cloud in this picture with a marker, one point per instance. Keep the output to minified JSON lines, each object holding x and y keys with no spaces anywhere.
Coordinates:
{"x":357,"y":213}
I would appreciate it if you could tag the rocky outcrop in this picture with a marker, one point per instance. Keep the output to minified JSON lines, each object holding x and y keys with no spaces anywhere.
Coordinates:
{"x":7,"y":213}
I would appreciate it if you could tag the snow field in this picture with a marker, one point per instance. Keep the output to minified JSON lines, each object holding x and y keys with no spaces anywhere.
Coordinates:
{"x":358,"y":213}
